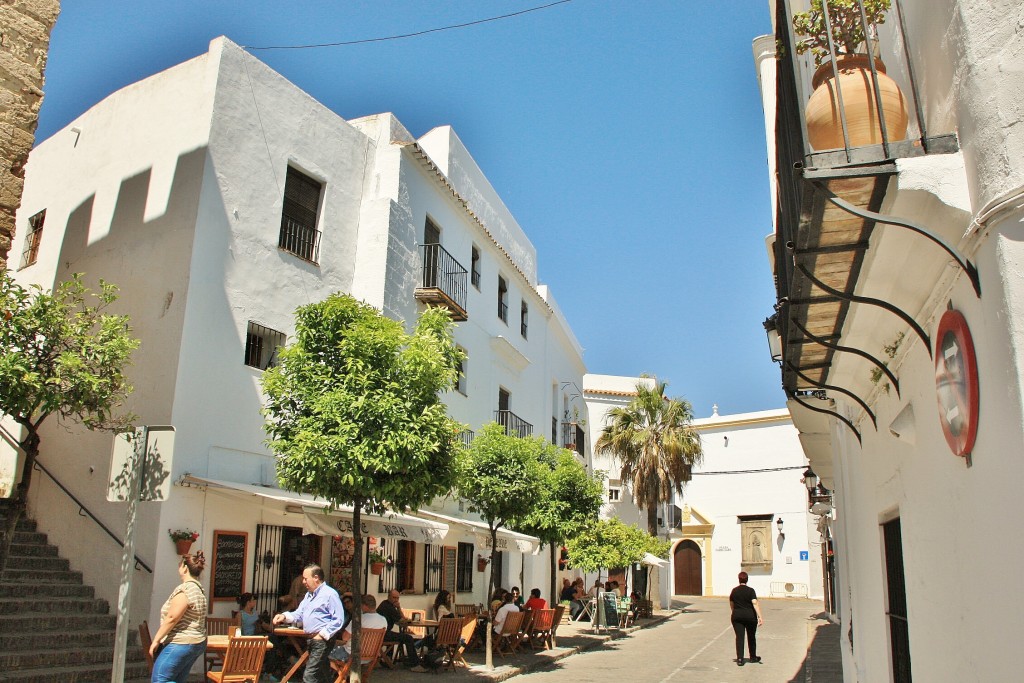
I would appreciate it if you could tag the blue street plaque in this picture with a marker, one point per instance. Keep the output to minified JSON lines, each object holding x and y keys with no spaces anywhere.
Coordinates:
{"x":803,"y":555}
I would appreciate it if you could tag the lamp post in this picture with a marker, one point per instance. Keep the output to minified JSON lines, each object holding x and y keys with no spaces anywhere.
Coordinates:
{"x":810,"y":480}
{"x":771,"y":329}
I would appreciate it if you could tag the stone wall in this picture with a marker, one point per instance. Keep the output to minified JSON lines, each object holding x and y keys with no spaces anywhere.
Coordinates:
{"x":25,"y":27}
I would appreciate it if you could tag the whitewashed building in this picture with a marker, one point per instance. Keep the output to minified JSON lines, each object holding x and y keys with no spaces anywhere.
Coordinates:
{"x":728,"y":517}
{"x":220,"y":197}
{"x":897,"y":259}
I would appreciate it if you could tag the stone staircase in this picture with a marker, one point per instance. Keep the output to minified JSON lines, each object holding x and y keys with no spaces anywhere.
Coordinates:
{"x":52,"y":627}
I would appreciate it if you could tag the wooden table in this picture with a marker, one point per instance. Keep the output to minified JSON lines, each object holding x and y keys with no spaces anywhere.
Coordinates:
{"x":297,"y":637}
{"x":219,"y":644}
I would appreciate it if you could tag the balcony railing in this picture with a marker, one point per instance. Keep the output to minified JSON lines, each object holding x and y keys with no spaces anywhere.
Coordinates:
{"x":444,"y":281}
{"x":300,"y":239}
{"x":466,"y":436}
{"x":572,"y":436}
{"x":513,"y":424}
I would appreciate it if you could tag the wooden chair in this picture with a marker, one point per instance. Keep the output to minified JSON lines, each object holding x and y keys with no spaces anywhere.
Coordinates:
{"x":463,"y":610}
{"x":146,"y":641}
{"x":540,"y":630}
{"x":449,"y":631}
{"x":555,"y":623}
{"x":469,"y":624}
{"x":507,"y":641}
{"x":243,"y":662}
{"x":524,"y":628}
{"x":220,"y":626}
{"x":371,"y":640}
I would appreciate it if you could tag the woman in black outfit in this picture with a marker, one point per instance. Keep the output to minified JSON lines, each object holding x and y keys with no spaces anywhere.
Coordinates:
{"x":746,"y":616}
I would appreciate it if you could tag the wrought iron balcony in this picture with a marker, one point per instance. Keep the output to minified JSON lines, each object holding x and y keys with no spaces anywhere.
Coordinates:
{"x":466,"y":436}
{"x":572,"y":437}
{"x":443,"y":282}
{"x":513,"y":424}
{"x":300,"y":239}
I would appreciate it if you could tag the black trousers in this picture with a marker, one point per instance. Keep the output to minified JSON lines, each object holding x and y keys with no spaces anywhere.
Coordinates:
{"x":750,"y":627}
{"x":318,"y":667}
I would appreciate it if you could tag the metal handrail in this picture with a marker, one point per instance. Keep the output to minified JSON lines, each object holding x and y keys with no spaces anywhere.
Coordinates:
{"x":442,"y":271}
{"x":513,"y":423}
{"x":81,"y":508}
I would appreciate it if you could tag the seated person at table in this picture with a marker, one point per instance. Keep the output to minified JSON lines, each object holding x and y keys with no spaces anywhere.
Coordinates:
{"x":497,"y":599}
{"x":517,"y":597}
{"x":507,"y":607}
{"x":595,"y":589}
{"x":442,"y":604}
{"x":568,"y":594}
{"x":391,"y":610}
{"x":368,"y":619}
{"x":346,"y":602}
{"x":535,"y":601}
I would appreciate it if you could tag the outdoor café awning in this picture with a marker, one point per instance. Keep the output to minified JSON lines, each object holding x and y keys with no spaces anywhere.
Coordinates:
{"x":317,"y":520}
{"x":507,"y":539}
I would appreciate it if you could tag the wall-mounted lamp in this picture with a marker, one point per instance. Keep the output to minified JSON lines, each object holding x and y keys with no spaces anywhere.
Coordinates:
{"x":810,"y":480}
{"x":778,"y":523}
{"x":771,"y":328}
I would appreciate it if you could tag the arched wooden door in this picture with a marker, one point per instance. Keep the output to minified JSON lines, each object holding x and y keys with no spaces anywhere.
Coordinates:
{"x":688,"y":569}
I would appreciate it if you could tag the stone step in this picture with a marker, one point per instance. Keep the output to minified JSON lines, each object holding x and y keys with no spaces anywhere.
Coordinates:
{"x":41,"y":606}
{"x":28,"y":591}
{"x":24,"y":524}
{"x":33,"y":550}
{"x":50,"y":658}
{"x":29,"y":538}
{"x":93,"y":673}
{"x":55,"y":622}
{"x":39,"y":577}
{"x":44,"y":564}
{"x":24,"y":640}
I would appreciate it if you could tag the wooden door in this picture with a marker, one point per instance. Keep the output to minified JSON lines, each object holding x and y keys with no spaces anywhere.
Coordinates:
{"x":688,"y":563}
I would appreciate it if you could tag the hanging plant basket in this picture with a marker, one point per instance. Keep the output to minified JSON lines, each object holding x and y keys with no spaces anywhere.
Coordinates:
{"x":377,"y":568}
{"x":182,"y":546}
{"x":481,"y":564}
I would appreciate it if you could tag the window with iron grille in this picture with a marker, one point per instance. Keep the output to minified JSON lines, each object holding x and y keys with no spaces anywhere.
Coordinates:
{"x":261,"y":345}
{"x":464,"y":569}
{"x":524,"y":319}
{"x":460,"y":369}
{"x":298,"y":216}
{"x":474,"y":271}
{"x":433,"y":566}
{"x":502,"y":299}
{"x":30,"y":252}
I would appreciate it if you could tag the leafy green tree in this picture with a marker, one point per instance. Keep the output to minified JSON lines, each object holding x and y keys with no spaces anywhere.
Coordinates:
{"x":63,"y":354}
{"x":354,"y":416}
{"x":572,"y":501}
{"x":610,"y":544}
{"x":654,"y":440}
{"x":503,"y":478}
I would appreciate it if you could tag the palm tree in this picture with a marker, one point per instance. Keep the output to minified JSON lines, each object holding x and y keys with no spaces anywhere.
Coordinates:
{"x":657,"y":445}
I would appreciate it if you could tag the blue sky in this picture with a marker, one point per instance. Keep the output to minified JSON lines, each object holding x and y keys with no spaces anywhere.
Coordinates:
{"x":626,"y":136}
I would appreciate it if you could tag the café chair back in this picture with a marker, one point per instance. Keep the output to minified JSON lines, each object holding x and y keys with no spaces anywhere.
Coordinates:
{"x":243,"y":661}
{"x":463,"y":610}
{"x":540,"y":630}
{"x":371,"y":640}
{"x":146,"y":641}
{"x":507,"y":641}
{"x":555,"y":623}
{"x":220,"y":626}
{"x":449,"y":630}
{"x":411,"y":628}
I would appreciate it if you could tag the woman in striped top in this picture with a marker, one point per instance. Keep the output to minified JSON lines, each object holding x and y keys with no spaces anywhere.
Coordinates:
{"x":182,"y":633}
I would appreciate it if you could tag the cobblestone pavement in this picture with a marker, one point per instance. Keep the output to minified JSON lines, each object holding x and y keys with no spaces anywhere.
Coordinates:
{"x":693,"y":642}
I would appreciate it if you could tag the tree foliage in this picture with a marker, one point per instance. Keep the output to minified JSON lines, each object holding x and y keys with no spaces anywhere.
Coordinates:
{"x":503,"y":478}
{"x":61,"y":353}
{"x":656,"y":444}
{"x":354,"y":415}
{"x":610,"y":544}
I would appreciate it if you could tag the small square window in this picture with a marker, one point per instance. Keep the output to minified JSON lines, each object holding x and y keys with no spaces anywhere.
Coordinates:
{"x":502,"y":299}
{"x":30,"y":252}
{"x":299,"y":235}
{"x":474,"y":273}
{"x":613,"y":495}
{"x":261,"y":345}
{"x":524,"y":319}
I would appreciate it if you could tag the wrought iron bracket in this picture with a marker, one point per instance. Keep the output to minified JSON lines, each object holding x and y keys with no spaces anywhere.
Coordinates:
{"x":833,"y":413}
{"x":873,"y":302}
{"x":849,"y":349}
{"x":832,"y":387}
{"x":965,"y":264}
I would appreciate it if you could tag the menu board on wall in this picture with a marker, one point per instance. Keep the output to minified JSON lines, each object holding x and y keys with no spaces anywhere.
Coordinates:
{"x":448,"y":569}
{"x":227,"y":577}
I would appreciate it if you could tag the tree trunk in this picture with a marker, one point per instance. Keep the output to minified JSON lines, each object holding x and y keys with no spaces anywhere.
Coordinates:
{"x":356,"y":668}
{"x":554,"y":574}
{"x":31,"y":447}
{"x":652,"y":518}
{"x":492,"y":586}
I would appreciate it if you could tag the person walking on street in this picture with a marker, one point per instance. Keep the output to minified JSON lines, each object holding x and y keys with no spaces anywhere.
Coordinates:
{"x":321,"y":616}
{"x":746,"y":617}
{"x":182,"y":632}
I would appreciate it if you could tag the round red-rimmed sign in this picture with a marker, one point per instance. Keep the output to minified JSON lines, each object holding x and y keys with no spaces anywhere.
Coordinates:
{"x":956,"y":382}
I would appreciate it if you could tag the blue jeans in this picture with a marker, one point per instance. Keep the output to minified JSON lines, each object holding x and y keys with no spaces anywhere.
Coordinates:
{"x":175,"y":661}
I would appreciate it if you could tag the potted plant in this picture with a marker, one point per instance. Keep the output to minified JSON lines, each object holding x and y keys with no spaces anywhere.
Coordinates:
{"x":482,"y":562}
{"x":183,"y":539}
{"x":853,"y":65}
{"x":377,"y":561}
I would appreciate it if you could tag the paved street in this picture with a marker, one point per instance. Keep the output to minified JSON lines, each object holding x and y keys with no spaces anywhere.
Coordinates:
{"x":696,"y":644}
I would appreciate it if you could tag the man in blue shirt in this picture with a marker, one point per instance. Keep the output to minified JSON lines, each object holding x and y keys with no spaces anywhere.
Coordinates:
{"x":321,"y":616}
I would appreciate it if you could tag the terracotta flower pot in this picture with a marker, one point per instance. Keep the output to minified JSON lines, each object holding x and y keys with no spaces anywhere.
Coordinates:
{"x":824,"y":125}
{"x":481,"y":565}
{"x":377,"y":568}
{"x":183,"y":546}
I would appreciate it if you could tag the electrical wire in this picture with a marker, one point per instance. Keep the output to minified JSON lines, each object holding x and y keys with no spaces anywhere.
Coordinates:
{"x":407,"y":35}
{"x":769,"y":469}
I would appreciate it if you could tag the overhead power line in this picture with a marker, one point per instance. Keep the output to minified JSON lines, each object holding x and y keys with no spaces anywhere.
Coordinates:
{"x":407,"y":35}
{"x":770,"y":469}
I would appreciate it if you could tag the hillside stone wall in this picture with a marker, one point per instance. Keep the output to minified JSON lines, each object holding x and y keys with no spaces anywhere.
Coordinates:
{"x":25,"y":27}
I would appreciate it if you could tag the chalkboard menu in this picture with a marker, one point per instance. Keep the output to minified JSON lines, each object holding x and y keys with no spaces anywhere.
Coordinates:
{"x":227,"y":578}
{"x":448,"y":569}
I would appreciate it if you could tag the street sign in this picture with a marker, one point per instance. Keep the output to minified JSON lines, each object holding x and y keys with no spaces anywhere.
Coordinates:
{"x":155,"y":472}
{"x":804,"y":556}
